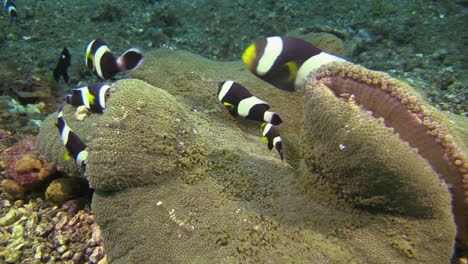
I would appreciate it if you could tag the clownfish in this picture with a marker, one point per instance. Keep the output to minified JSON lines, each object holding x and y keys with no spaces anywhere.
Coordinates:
{"x":285,"y":62}
{"x":63,"y":63}
{"x":104,"y":65}
{"x":76,"y":149}
{"x":93,"y":97}
{"x":11,"y":10}
{"x":271,"y":135}
{"x":239,"y":101}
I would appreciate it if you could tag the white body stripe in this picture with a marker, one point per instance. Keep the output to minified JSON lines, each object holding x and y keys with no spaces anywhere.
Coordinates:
{"x":311,"y":64}
{"x":225,"y":89}
{"x":276,"y":140}
{"x":266,"y":129}
{"x":272,"y":50}
{"x":102,"y":95}
{"x":82,"y":156}
{"x":84,"y":97}
{"x":246,"y":104}
{"x":97,"y":59}
{"x":65,"y":133}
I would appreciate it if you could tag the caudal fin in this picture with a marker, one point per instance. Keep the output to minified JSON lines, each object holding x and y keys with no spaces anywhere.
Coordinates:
{"x":129,"y":60}
{"x":276,"y":119}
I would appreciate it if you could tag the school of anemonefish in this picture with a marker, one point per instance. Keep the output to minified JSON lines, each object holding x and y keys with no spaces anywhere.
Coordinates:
{"x":93,"y":97}
{"x":284,"y":62}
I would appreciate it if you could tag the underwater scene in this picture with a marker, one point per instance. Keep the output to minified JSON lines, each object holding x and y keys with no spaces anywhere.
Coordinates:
{"x":216,"y":131}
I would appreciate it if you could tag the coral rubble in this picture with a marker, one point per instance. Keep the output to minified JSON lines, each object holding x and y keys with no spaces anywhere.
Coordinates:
{"x":36,"y":232}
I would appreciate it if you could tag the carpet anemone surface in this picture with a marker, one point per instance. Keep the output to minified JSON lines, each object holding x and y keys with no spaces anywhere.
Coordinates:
{"x":355,"y":92}
{"x":178,"y":180}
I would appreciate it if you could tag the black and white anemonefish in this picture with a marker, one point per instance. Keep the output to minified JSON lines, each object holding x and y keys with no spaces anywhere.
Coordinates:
{"x":285,"y":62}
{"x":100,"y":60}
{"x":11,"y":10}
{"x":271,"y":135}
{"x":93,"y":97}
{"x":63,"y":63}
{"x":239,"y":101}
{"x":75,"y":147}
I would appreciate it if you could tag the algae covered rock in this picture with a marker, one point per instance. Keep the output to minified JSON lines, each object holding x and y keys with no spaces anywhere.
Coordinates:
{"x":63,"y":189}
{"x":178,"y":180}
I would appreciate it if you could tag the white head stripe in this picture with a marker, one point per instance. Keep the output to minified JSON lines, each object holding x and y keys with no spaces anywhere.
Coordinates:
{"x":225,"y":89}
{"x":102,"y":95}
{"x":266,"y":129}
{"x":82,"y":156}
{"x":271,"y":52}
{"x":246,"y":104}
{"x":65,"y":133}
{"x":97,"y":59}
{"x":311,"y":64}
{"x":84,"y":95}
{"x":88,"y":50}
{"x":276,"y":140}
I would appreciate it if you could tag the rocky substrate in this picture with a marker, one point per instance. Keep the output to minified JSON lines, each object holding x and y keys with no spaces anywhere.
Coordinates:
{"x":38,"y":232}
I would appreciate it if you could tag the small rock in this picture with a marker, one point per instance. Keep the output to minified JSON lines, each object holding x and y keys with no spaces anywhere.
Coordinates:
{"x":13,"y":189}
{"x":19,"y":203}
{"x":98,"y":254}
{"x":63,"y":239}
{"x":33,"y":220}
{"x":90,"y":244}
{"x":103,"y":260}
{"x":62,"y":249}
{"x":78,"y":256}
{"x":17,"y":232}
{"x":4,"y":237}
{"x":40,"y":252}
{"x":11,"y":217}
{"x":44,"y":229}
{"x":97,"y":236}
{"x":67,"y":255}
{"x":89,"y":251}
{"x":6,"y":203}
{"x":13,"y":256}
{"x":61,"y":223}
{"x":64,"y":189}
